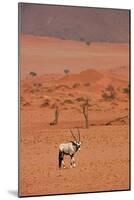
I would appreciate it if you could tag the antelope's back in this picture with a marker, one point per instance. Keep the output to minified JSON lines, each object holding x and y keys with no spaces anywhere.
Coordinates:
{"x":66,"y":148}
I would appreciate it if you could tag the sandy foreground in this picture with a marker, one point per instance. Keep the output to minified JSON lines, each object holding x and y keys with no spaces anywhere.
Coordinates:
{"x":103,"y":162}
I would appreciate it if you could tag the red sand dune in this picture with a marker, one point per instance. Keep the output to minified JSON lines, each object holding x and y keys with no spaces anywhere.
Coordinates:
{"x":51,"y":55}
{"x":89,"y":75}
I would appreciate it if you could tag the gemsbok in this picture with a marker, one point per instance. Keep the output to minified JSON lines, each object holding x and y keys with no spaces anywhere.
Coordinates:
{"x":70,"y":149}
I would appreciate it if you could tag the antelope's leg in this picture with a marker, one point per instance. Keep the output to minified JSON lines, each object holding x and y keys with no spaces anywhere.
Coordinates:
{"x":72,"y":162}
{"x":63,"y":163}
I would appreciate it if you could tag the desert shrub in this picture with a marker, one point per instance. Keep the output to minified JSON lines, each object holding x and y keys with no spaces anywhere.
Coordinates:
{"x":26,"y":104}
{"x":88,"y":43}
{"x":32,"y":73}
{"x":71,"y":95}
{"x":45,"y":103}
{"x":114,"y":103}
{"x":37,"y":90}
{"x":68,"y":101}
{"x":57,"y":99}
{"x":49,"y":90}
{"x":76,"y":85}
{"x":66,"y":71}
{"x":79,"y":99}
{"x":34,"y":84}
{"x":109,"y":93}
{"x":65,"y":108}
{"x":86,"y":84}
{"x":62,"y":86}
{"x":37,"y":84}
{"x":34,"y":90}
{"x":126,"y":90}
{"x":53,"y":106}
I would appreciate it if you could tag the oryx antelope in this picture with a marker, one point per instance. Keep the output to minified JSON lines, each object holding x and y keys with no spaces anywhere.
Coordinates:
{"x":70,"y":149}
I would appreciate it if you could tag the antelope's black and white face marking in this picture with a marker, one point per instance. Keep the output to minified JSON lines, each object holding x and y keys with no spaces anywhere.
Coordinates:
{"x":77,"y":145}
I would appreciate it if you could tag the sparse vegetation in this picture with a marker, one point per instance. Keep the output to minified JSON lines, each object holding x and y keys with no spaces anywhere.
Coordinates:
{"x":57,"y":99}
{"x":126,"y":90}
{"x":65,"y":108}
{"x":35,"y":90}
{"x":56,"y":114}
{"x":88,"y":43}
{"x":32,"y":73}
{"x":45,"y":103}
{"x":71,"y":95}
{"x":109,"y":93}
{"x":26,"y":104}
{"x":37,"y":84}
{"x":66,"y":71}
{"x":76,"y":85}
{"x":79,"y":99}
{"x":53,"y":106}
{"x":85,"y":111}
{"x":49,"y":90}
{"x":86,"y":84}
{"x":68,"y":101}
{"x":62,"y":86}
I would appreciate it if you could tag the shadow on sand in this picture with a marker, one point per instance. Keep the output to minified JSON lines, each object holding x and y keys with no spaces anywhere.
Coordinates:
{"x":13,"y":192}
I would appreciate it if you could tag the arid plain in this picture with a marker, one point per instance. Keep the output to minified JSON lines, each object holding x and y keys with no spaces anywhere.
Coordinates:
{"x":98,"y":72}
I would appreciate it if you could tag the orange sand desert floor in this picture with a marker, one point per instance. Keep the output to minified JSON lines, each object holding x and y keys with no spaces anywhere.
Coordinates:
{"x":101,"y":165}
{"x":102,"y":77}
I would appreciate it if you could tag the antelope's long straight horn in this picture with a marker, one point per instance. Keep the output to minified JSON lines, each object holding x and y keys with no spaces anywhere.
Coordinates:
{"x":78,"y":133}
{"x":73,"y":134}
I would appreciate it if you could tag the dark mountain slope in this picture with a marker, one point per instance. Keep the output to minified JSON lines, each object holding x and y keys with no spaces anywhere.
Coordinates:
{"x":90,"y":24}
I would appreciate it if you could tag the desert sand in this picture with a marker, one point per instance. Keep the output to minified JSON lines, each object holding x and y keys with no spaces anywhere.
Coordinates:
{"x":103,"y":162}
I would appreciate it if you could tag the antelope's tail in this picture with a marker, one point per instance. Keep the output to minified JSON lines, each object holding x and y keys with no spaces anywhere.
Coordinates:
{"x":60,"y":158}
